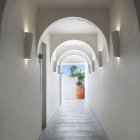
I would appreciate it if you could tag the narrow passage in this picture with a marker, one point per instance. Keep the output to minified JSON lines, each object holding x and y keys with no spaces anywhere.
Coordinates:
{"x":73,"y":121}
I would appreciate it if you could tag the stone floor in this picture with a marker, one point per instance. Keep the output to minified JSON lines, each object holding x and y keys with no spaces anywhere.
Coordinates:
{"x":73,"y":121}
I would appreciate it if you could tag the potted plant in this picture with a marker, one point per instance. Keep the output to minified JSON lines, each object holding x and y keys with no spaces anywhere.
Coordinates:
{"x":80,"y":81}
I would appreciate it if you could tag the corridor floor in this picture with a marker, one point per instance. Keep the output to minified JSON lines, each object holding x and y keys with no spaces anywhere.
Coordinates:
{"x":73,"y":121}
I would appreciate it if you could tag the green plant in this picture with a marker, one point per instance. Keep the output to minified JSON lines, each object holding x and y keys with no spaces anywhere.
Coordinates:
{"x":73,"y":68}
{"x":77,"y":73}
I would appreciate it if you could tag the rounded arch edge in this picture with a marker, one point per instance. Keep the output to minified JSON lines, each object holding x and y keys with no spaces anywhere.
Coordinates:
{"x":51,"y":25}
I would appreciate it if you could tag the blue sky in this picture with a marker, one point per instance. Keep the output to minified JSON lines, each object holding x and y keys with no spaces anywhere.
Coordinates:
{"x":65,"y":69}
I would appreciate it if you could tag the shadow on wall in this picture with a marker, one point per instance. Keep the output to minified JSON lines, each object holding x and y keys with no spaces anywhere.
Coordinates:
{"x":2,"y":5}
{"x":137,"y":6}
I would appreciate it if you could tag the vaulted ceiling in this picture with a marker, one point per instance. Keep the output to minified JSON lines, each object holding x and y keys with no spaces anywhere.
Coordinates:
{"x":73,"y":26}
{"x":72,"y":3}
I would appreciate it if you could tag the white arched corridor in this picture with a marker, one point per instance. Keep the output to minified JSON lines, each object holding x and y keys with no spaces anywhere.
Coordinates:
{"x":41,"y":42}
{"x":79,"y":42}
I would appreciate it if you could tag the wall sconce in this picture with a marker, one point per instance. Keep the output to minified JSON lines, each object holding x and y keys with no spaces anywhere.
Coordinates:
{"x":54,"y":66}
{"x":116,"y":43}
{"x":28,"y":39}
{"x":93,"y":66}
{"x":137,"y":6}
{"x":100,"y":58}
{"x":89,"y":68}
{"x":59,"y":69}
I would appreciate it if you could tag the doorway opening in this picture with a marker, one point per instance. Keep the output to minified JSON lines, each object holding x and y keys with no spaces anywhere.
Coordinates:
{"x":76,"y":53}
{"x":72,"y":77}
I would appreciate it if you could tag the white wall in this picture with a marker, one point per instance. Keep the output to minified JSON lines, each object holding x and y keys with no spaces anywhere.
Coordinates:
{"x":20,"y":110}
{"x":53,"y":95}
{"x":53,"y":86}
{"x":68,"y":87}
{"x":99,"y":17}
{"x":90,"y":39}
{"x":113,"y":91}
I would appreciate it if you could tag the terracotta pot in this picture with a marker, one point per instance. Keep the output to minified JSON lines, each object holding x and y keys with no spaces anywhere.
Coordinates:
{"x":80,"y":92}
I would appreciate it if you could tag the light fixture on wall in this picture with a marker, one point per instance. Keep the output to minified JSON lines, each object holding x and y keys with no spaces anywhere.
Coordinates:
{"x":116,"y":43}
{"x":100,"y":58}
{"x":54,"y":66}
{"x":59,"y":69}
{"x":118,"y":27}
{"x":89,"y":68}
{"x":137,"y":6}
{"x":93,"y":66}
{"x":28,"y":39}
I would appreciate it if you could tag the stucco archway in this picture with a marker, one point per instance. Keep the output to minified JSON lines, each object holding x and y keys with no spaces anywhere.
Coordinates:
{"x":89,"y":47}
{"x":76,"y":53}
{"x":44,"y":35}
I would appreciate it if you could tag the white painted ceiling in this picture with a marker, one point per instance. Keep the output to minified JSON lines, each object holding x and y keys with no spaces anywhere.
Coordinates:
{"x":74,"y":59}
{"x":72,"y":3}
{"x":73,"y":43}
{"x":73,"y":26}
